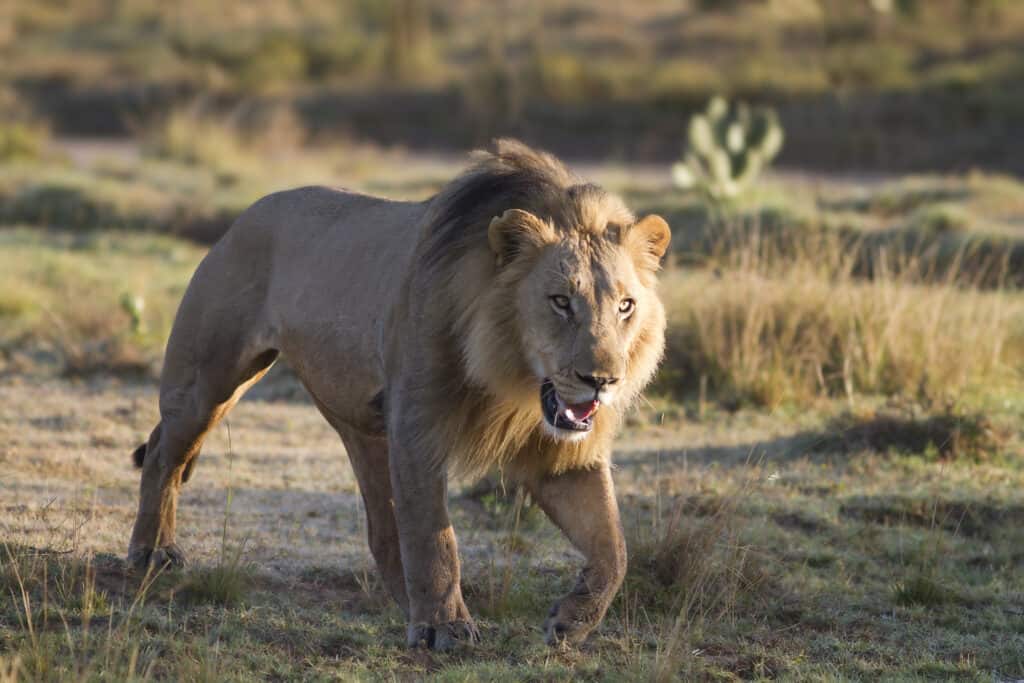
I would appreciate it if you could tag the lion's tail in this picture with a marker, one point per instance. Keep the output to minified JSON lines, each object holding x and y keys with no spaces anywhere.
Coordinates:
{"x":139,"y":454}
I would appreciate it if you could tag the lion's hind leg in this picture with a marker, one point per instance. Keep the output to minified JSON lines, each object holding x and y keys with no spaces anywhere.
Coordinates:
{"x":192,"y":402}
{"x":368,"y":454}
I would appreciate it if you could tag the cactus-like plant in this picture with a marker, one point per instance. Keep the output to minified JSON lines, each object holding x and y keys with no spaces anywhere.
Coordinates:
{"x":134,"y":305}
{"x":728,"y":147}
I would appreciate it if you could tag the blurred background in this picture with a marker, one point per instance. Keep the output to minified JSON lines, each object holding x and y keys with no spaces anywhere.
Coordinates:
{"x":824,"y":481}
{"x":884,"y":132}
{"x":868,"y":85}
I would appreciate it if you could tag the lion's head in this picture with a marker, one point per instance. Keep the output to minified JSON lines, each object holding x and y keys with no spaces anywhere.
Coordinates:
{"x":558,"y":316}
{"x":589,"y":322}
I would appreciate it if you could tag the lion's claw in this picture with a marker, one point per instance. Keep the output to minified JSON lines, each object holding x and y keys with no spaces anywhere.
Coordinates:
{"x":169,"y":556}
{"x":442,"y":637}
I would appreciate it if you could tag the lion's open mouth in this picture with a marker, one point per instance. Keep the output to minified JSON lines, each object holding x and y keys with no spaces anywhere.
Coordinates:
{"x":575,"y":417}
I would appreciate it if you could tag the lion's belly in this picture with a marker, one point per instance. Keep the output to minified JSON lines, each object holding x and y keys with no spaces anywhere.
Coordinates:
{"x":332,"y":283}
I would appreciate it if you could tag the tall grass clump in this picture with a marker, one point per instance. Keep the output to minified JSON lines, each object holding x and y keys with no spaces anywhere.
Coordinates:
{"x":692,"y":567}
{"x":773,"y":325}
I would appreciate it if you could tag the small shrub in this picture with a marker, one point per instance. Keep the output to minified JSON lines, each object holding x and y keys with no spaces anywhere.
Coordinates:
{"x":278,"y":60}
{"x":134,"y":305}
{"x":193,"y":138}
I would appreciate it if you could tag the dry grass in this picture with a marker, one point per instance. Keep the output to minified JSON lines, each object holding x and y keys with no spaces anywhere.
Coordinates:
{"x":769,"y":329}
{"x":231,"y":146}
{"x":693,"y":566}
{"x":737,"y":570}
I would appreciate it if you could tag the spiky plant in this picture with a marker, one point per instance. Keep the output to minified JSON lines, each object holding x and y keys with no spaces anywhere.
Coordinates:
{"x":728,"y":147}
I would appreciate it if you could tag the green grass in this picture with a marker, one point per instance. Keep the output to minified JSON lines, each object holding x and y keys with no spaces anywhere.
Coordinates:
{"x":62,"y":299}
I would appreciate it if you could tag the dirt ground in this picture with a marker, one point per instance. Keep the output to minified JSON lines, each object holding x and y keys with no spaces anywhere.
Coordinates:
{"x":68,"y":479}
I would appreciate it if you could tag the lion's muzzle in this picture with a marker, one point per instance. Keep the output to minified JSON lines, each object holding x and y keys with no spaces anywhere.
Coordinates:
{"x":572,"y":417}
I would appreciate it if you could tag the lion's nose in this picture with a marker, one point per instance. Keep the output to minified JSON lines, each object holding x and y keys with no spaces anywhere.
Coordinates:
{"x":598,"y":382}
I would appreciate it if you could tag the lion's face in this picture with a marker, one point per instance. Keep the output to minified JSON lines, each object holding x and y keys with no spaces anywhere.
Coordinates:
{"x":588,"y":317}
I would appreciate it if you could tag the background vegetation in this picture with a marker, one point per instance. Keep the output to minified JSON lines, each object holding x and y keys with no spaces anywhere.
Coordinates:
{"x":859,"y":84}
{"x":825,"y":481}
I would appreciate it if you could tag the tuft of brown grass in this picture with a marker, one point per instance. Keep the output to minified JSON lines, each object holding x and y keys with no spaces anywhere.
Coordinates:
{"x":768,"y":328}
{"x":9,"y":669}
{"x":692,"y":568}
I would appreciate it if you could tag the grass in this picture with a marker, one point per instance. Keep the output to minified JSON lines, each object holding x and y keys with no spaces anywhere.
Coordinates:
{"x":795,"y":563}
{"x":227,"y":147}
{"x":770,"y":327}
{"x":62,"y":299}
{"x":20,"y":141}
{"x":920,"y":589}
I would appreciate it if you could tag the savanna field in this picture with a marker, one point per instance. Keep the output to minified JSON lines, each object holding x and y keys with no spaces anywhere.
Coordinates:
{"x":824,"y":482}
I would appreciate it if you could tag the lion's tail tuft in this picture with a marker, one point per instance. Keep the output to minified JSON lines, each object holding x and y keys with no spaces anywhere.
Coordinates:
{"x":139,"y":456}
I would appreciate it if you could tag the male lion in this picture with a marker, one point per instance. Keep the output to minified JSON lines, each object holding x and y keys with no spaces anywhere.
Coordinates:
{"x":504,"y":323}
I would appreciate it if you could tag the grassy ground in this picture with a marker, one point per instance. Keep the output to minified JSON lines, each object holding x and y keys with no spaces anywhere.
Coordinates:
{"x":826,"y":481}
{"x":762,"y":546}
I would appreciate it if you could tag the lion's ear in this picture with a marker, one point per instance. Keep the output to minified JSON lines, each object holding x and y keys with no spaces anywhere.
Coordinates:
{"x":515,"y":230}
{"x":649,"y":238}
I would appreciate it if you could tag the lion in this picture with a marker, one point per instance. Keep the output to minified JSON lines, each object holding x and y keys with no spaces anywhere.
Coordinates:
{"x":505,"y":323}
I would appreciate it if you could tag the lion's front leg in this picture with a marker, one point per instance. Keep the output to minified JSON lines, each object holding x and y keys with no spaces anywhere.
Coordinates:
{"x":438,"y":617}
{"x":582,"y":504}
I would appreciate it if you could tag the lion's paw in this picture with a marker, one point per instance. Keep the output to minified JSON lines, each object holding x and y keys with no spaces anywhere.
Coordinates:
{"x":563,"y":626}
{"x":170,"y":556}
{"x":442,"y":637}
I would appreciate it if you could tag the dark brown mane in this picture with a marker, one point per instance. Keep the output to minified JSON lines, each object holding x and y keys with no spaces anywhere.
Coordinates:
{"x":514,"y":176}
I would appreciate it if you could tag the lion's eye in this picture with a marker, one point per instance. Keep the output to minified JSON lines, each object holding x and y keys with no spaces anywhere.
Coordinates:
{"x":626,"y":307}
{"x":561,"y":304}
